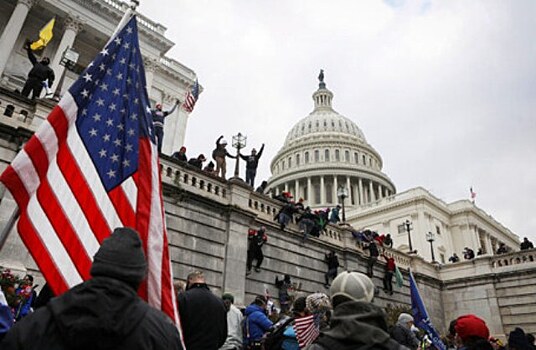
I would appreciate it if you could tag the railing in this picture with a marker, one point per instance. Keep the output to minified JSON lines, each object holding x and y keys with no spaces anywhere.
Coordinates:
{"x":19,"y":112}
{"x":515,"y":258}
{"x":191,"y":179}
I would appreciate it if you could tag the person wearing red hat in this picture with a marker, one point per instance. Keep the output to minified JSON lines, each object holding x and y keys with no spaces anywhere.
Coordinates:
{"x":472,"y":333}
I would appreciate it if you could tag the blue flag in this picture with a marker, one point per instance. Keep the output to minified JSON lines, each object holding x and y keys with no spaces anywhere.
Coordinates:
{"x":420,"y":316}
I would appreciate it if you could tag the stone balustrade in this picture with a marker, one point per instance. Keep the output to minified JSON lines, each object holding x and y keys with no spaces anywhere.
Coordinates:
{"x":19,"y":112}
{"x":514,"y":258}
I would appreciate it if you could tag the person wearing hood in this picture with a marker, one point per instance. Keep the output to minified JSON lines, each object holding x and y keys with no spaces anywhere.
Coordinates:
{"x":219,"y":155}
{"x":356,"y":321}
{"x":402,"y":332}
{"x":256,"y":323}
{"x":103,"y":312}
{"x":203,"y":315}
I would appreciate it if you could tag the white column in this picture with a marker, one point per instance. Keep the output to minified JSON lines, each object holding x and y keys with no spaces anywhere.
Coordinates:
{"x":371,"y":190}
{"x":72,"y":26}
{"x":349,"y":188}
{"x":286,"y":187}
{"x":150,"y":67}
{"x":360,"y":186}
{"x":296,"y":190}
{"x":334,"y":190}
{"x":12,"y":30}
{"x":309,"y":192}
{"x":380,"y":191}
{"x":322,"y":191}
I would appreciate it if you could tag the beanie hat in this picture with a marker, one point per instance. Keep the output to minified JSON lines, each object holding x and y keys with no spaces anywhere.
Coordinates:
{"x":471,"y":326}
{"x":353,"y":286}
{"x":518,"y":340}
{"x":228,"y":296}
{"x":318,"y":302}
{"x":121,"y":256}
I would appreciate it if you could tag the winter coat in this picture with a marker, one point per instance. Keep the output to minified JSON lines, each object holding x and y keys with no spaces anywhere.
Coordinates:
{"x":40,"y":71}
{"x":257,"y":323}
{"x":290,"y":342}
{"x":203,"y":318}
{"x":332,"y":261}
{"x":101,"y":313}
{"x":356,"y":325}
{"x":405,"y":336}
{"x":252,"y":161}
{"x":158,"y":116}
{"x":220,"y":151}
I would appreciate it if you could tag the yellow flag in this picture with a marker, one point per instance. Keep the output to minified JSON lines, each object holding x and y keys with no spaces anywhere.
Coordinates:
{"x":45,"y":35}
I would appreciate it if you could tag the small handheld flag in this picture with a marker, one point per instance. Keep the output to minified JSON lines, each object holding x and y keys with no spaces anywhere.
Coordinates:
{"x":191,"y":98}
{"x":473,"y":194}
{"x":45,"y":35}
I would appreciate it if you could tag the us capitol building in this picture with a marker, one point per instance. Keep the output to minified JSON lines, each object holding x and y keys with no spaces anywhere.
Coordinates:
{"x":326,"y":160}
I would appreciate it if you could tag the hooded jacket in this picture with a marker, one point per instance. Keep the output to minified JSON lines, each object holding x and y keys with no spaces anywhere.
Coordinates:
{"x":257,"y":323}
{"x":356,"y":325}
{"x":101,"y":313}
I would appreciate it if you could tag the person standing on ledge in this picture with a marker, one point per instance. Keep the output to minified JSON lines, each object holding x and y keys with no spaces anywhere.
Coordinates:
{"x":252,"y":161}
{"x":39,"y":73}
{"x":219,"y":155}
{"x":158,"y":122}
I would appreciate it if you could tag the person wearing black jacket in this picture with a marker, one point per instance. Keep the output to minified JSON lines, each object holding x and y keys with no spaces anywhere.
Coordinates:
{"x":252,"y":161}
{"x":158,"y":122}
{"x":104,"y":312}
{"x":373,"y":257}
{"x":333,"y":264}
{"x":256,"y":239}
{"x":38,"y":74}
{"x":203,"y":315}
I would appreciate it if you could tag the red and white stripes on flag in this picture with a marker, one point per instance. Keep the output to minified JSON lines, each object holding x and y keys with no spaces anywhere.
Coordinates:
{"x":66,"y":206}
{"x":191,"y":98}
{"x":307,"y":330}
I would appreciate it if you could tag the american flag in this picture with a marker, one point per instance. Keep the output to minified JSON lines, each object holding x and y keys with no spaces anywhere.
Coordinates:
{"x":473,"y":194}
{"x":92,"y":166}
{"x":191,"y":98}
{"x":307,"y":329}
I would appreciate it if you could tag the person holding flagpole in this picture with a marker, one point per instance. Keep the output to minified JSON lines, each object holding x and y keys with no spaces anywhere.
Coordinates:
{"x":40,"y":73}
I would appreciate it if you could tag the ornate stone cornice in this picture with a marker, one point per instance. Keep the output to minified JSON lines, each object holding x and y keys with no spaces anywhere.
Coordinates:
{"x":28,"y":3}
{"x":150,"y":64}
{"x":168,"y":97}
{"x":73,"y":23}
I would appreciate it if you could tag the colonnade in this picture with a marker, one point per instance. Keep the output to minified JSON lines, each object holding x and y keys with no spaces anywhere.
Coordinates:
{"x":321,"y":190}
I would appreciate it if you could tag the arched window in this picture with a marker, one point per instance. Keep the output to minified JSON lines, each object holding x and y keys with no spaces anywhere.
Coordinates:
{"x":290,"y":162}
{"x":282,"y":165}
{"x":364,"y":160}
{"x":317,"y":155}
{"x":306,"y":156}
{"x":337,"y":155}
{"x":326,"y":155}
{"x":356,"y":158}
{"x":297,"y":159}
{"x":347,"y":156}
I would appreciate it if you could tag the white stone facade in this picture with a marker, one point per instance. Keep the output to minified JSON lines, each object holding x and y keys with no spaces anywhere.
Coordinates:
{"x":85,"y":26}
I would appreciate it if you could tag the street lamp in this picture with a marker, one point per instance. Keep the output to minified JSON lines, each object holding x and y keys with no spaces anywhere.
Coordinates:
{"x":239,"y":142}
{"x":430,"y":237}
{"x":342,"y":193}
{"x":408,"y":230}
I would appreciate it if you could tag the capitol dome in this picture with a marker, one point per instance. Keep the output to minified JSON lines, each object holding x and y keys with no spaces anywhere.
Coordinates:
{"x":326,"y":153}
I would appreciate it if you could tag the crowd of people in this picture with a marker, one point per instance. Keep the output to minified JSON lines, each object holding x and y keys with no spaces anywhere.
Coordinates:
{"x":218,"y":167}
{"x":469,"y":254}
{"x":106,"y":313}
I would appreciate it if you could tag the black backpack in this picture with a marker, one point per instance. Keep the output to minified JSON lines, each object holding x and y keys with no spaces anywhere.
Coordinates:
{"x":273,"y":339}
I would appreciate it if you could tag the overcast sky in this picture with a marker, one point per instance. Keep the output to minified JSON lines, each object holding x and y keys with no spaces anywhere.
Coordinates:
{"x":445,"y":91}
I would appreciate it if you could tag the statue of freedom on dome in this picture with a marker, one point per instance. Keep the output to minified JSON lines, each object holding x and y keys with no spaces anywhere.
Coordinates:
{"x":321,"y":76}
